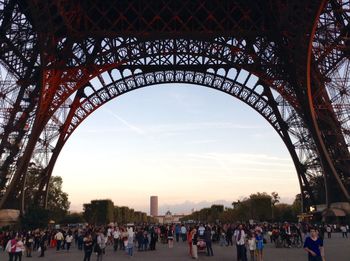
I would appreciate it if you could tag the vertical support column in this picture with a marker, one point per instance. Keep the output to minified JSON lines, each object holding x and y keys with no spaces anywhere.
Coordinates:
{"x":303,"y":181}
{"x":327,"y":161}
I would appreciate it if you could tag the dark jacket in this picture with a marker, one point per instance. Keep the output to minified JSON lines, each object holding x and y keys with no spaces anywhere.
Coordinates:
{"x":207,"y":235}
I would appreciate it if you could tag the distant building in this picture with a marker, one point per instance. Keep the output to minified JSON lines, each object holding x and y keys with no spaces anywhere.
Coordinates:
{"x":169,"y":218}
{"x":154,"y":206}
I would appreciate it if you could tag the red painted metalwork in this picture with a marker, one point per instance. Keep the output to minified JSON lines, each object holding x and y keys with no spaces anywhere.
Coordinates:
{"x":52,"y":51}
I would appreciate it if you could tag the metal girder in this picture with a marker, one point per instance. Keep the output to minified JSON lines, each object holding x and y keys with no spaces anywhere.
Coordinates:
{"x":54,"y":50}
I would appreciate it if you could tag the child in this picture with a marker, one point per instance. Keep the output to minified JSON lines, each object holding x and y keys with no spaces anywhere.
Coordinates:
{"x":259,"y":245}
{"x":252,"y":246}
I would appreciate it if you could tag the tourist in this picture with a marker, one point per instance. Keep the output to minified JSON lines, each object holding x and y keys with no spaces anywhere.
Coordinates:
{"x":208,"y":240}
{"x":183,"y":233}
{"x":109,"y":235}
{"x":287,"y":233}
{"x":37,"y":237}
{"x":344,"y":231}
{"x":43,"y":243}
{"x":194,"y":236}
{"x":130,"y":245}
{"x":259,"y":245}
{"x":116,"y":236}
{"x":313,"y":245}
{"x":29,"y":239}
{"x":19,"y":249}
{"x":100,"y":245}
{"x":177,"y":232}
{"x":69,"y":240}
{"x":139,"y":239}
{"x":240,"y":238}
{"x":189,"y":241}
{"x":145,"y":240}
{"x":154,"y":238}
{"x":11,"y":248}
{"x":59,"y":238}
{"x":200,"y":231}
{"x":329,"y":231}
{"x":229,"y":234}
{"x":80,"y":240}
{"x":87,"y":241}
{"x":222,"y":237}
{"x":170,"y":236}
{"x":124,"y":240}
{"x":252,"y":246}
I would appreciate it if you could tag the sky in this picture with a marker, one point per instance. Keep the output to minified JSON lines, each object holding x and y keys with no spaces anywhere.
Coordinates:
{"x":190,"y":145}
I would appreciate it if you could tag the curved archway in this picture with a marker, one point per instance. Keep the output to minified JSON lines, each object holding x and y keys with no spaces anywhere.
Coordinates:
{"x":238,"y":83}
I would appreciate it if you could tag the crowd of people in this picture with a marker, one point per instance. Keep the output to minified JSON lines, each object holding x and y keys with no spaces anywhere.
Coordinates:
{"x":249,"y":239}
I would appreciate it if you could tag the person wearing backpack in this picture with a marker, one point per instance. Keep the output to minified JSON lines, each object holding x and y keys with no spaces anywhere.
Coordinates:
{"x":11,"y":248}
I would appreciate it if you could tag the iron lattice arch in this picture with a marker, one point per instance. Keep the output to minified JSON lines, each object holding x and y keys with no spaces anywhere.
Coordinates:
{"x":286,"y":59}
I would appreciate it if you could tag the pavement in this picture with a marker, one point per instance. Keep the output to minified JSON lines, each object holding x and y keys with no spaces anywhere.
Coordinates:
{"x":336,"y":249}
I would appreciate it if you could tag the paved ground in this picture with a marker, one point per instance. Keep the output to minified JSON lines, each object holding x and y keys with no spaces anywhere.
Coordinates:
{"x":337,"y":249}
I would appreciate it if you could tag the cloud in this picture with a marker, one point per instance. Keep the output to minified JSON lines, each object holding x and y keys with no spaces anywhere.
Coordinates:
{"x":242,"y":159}
{"x":127,"y":124}
{"x":172,"y":129}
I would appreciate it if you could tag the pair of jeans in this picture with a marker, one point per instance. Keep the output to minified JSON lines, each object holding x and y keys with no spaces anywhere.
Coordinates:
{"x":315,"y":258}
{"x":58,"y":246}
{"x":115,"y":244}
{"x":130,"y":251}
{"x":18,"y":256}
{"x":87,"y":255}
{"x":209,"y":248}
{"x":241,"y":253}
{"x":11,"y":256}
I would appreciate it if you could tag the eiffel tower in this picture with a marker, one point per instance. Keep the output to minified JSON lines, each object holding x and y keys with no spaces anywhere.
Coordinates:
{"x":60,"y":60}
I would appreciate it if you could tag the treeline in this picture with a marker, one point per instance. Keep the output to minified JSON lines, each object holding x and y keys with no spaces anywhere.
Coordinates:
{"x":258,"y":207}
{"x":100,"y":212}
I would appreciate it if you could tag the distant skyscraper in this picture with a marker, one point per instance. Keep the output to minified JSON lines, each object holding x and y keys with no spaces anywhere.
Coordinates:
{"x":154,"y":206}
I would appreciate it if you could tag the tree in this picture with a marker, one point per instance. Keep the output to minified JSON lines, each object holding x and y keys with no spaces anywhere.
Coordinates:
{"x":73,"y":218}
{"x":297,"y":209}
{"x":57,"y":202}
{"x":284,"y":212}
{"x":35,"y":218}
{"x":260,"y":206}
{"x":99,"y":212}
{"x":275,"y":199}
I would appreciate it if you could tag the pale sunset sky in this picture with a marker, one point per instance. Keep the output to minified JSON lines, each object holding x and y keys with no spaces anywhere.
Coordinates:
{"x":189,"y":145}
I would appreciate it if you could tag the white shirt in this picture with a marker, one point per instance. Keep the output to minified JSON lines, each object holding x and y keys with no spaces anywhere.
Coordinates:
{"x":252,"y":244}
{"x":19,"y":246}
{"x":59,"y":236}
{"x":183,"y":230}
{"x":116,"y":234}
{"x":242,"y":239}
{"x":69,"y":238}
{"x":201,"y":231}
